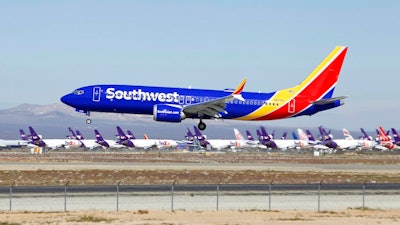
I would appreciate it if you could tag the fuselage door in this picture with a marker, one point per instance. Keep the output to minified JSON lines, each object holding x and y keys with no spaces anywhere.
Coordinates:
{"x":292,"y":106}
{"x":96,"y":94}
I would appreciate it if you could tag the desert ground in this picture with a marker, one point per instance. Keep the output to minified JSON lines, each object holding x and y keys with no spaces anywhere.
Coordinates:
{"x":165,"y":167}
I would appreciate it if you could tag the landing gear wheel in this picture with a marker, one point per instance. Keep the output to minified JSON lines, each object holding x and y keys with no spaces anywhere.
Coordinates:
{"x":201,"y":125}
{"x":88,"y":121}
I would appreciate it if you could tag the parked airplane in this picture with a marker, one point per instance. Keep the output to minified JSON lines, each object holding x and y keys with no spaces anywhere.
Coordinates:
{"x":131,"y":141}
{"x":301,"y":139}
{"x":282,"y":143}
{"x":241,"y":142}
{"x":367,"y":142}
{"x":106,"y":143}
{"x":312,"y":95}
{"x":85,"y":143}
{"x":49,"y":143}
{"x":308,"y":137}
{"x":347,"y":143}
{"x":217,"y":144}
{"x":123,"y":139}
{"x":12,"y":143}
{"x":384,"y":139}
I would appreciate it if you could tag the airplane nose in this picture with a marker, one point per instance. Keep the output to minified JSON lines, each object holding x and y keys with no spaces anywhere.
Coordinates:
{"x":66,"y":99}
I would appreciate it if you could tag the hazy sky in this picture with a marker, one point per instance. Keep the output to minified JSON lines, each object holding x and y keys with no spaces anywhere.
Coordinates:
{"x":49,"y":48}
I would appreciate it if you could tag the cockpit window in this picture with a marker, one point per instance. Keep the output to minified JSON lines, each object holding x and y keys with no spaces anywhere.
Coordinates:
{"x":78,"y":92}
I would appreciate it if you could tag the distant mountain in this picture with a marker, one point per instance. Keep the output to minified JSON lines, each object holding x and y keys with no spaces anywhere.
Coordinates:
{"x":52,"y":121}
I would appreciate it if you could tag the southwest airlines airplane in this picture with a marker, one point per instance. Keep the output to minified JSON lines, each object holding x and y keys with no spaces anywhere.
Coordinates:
{"x":312,"y":95}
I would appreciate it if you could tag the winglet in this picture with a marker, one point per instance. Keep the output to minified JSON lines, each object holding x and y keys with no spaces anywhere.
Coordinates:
{"x":237,"y":93}
{"x":240,"y":88}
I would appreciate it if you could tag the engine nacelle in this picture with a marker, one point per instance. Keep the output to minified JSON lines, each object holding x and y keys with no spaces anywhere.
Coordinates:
{"x":168,"y":113}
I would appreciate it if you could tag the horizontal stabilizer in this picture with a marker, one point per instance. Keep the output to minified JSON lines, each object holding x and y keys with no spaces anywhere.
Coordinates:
{"x":326,"y":101}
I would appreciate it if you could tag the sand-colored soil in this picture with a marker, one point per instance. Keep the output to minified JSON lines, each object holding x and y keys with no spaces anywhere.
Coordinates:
{"x":144,"y":217}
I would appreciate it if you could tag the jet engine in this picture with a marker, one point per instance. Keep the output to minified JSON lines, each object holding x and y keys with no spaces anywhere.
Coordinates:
{"x":168,"y":113}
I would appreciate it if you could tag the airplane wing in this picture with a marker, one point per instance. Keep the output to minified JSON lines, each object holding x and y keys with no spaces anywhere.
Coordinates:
{"x":214,"y":107}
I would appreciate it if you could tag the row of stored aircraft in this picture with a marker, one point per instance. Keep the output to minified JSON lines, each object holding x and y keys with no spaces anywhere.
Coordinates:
{"x":76,"y":140}
{"x":301,"y":140}
{"x":265,"y":140}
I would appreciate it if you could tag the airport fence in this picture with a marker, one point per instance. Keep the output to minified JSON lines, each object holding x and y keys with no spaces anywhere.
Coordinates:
{"x":319,"y":197}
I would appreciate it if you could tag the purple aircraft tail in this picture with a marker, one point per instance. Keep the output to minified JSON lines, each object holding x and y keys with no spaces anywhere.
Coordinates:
{"x":396,"y":136}
{"x":100,"y":140}
{"x":249,"y":136}
{"x":73,"y":134}
{"x":284,"y":135}
{"x":327,"y":138}
{"x":24,"y":137}
{"x":260,"y":136}
{"x":130,"y":135}
{"x":324,"y":134}
{"x":36,"y":139}
{"x":198,"y":134}
{"x":264,"y":133}
{"x":366,"y":136}
{"x":266,"y":139}
{"x":189,"y":136}
{"x":310,"y":136}
{"x":79,"y":136}
{"x":123,"y":139}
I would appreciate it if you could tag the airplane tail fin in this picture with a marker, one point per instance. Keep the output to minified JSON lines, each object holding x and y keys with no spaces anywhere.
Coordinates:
{"x":249,"y":136}
{"x":385,"y":139}
{"x":199,"y":135}
{"x":284,"y":135}
{"x":189,"y":136}
{"x":24,"y":137}
{"x":130,"y":134}
{"x":294,"y":135}
{"x":310,"y":136}
{"x":259,"y":135}
{"x":72,"y":132}
{"x":121,"y":134}
{"x":324,"y":134}
{"x":123,"y":139}
{"x":347,"y":134}
{"x":321,"y":82}
{"x":366,"y":136}
{"x":100,"y":140}
{"x":265,"y":134}
{"x":382,"y":133}
{"x":36,"y":139}
{"x":238,"y":135}
{"x":395,"y":136}
{"x":79,"y":135}
{"x":302,"y":135}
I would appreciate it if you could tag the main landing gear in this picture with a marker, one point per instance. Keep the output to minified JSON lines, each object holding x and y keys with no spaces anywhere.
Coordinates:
{"x":201,"y":125}
{"x":88,"y":120}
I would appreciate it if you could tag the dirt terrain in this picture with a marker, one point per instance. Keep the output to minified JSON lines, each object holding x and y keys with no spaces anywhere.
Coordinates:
{"x":107,"y":168}
{"x":253,"y":217}
{"x":56,"y":168}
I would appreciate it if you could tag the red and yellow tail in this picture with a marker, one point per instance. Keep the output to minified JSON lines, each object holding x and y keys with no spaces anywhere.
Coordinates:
{"x":317,"y":86}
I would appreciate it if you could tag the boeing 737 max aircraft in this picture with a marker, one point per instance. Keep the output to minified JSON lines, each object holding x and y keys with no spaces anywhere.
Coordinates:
{"x":312,"y":95}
